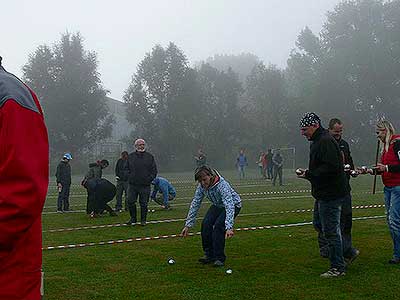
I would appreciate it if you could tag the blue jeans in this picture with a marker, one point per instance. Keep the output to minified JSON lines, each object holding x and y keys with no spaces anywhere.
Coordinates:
{"x":213,"y":232}
{"x":346,"y":223}
{"x":329,"y":217}
{"x":392,"y":205}
{"x":241,"y":171}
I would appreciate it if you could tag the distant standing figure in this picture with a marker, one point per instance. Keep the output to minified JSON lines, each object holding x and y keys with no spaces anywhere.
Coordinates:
{"x":201,"y":158}
{"x":262,"y":164}
{"x":63,"y":177}
{"x":270,"y":166}
{"x":241,"y":163}
{"x":277,"y":161}
{"x":122,"y":176}
{"x":142,"y":170}
{"x":164,"y":187}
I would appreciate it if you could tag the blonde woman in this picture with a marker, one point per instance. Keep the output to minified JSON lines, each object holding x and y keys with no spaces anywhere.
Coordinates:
{"x":389,"y":169}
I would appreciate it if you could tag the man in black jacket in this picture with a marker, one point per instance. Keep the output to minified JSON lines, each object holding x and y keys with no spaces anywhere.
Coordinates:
{"x":349,"y":252}
{"x":122,"y":175}
{"x":63,"y":177}
{"x":142,"y":171}
{"x":328,"y":186}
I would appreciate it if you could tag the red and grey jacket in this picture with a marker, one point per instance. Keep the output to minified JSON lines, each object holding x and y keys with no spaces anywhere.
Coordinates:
{"x":391,"y":158}
{"x":24,"y":176}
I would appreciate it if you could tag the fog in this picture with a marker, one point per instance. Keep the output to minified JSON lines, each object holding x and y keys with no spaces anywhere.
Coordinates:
{"x":121,"y":32}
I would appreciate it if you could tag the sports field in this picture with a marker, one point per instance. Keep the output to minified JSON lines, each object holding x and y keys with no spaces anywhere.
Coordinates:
{"x":273,"y":255}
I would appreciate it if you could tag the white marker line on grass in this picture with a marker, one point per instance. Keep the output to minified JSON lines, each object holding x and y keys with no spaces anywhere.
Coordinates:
{"x":112,"y":242}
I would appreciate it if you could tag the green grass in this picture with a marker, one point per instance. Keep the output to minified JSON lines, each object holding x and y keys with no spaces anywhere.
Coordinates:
{"x":277,"y":263}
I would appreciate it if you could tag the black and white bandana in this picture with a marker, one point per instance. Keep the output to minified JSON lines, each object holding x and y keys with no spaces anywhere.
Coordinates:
{"x":309,"y":119}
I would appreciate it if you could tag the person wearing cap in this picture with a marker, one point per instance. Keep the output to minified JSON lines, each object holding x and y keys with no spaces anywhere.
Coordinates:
{"x":24,"y":179}
{"x":328,"y":186}
{"x":165,"y":188}
{"x":142,"y":171}
{"x":63,"y":178}
{"x":218,"y":222}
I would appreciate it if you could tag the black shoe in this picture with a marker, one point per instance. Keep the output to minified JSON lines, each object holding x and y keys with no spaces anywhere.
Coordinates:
{"x":394,"y":261}
{"x":143,"y":223}
{"x":130,"y":222}
{"x":218,"y":263}
{"x":205,"y":260}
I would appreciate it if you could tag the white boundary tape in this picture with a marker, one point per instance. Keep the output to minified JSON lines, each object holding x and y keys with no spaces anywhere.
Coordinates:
{"x":138,"y":239}
{"x":181,"y":220}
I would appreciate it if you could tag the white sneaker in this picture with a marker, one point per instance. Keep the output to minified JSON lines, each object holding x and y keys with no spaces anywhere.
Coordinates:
{"x":332,"y":272}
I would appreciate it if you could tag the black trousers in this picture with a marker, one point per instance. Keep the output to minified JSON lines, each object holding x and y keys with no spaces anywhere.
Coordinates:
{"x":213,"y":232}
{"x":63,"y":197}
{"x":143,"y":192}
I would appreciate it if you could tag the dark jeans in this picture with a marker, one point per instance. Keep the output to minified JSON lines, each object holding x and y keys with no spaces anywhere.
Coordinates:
{"x":213,"y":232}
{"x":91,"y":195}
{"x":269,"y":171}
{"x":327,"y":219}
{"x":122,"y":186}
{"x":63,"y":197}
{"x":346,"y":223}
{"x":143,"y":191}
{"x":277,"y":172}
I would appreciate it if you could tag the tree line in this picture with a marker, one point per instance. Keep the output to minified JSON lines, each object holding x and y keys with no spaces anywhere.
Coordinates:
{"x":349,"y":70}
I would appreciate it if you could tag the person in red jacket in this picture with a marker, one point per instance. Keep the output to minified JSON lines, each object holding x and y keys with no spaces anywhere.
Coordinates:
{"x":389,"y":168}
{"x":24,"y":176}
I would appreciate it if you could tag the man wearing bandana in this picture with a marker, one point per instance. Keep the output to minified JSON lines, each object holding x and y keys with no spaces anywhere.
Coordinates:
{"x":142,"y":170}
{"x":328,"y":186}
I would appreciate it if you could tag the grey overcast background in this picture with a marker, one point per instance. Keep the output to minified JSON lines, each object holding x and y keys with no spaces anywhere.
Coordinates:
{"x":121,"y":32}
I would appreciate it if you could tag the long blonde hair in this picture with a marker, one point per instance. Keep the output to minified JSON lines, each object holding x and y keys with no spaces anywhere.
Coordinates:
{"x":390,"y":131}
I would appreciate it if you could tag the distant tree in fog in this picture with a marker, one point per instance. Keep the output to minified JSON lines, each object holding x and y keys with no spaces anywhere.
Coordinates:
{"x":66,"y":79}
{"x":241,"y":64}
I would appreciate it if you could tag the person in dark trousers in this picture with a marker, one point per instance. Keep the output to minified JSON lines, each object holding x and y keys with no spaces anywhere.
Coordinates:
{"x":346,"y":216}
{"x":90,"y":182}
{"x":24,"y":179}
{"x":270,"y":165}
{"x":142,"y":171}
{"x":389,"y":168}
{"x":63,"y":178}
{"x":328,"y":186}
{"x":167,"y":191}
{"x":122,"y":175}
{"x":277,"y":161}
{"x":218,"y":222}
{"x":200,"y":159}
{"x":104,"y":193}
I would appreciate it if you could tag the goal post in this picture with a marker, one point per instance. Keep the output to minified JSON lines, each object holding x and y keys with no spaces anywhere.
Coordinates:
{"x":289,"y":157}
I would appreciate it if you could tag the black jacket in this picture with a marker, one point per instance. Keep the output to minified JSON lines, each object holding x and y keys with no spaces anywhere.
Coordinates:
{"x":325,"y":169}
{"x":347,"y":160}
{"x":121,"y":170}
{"x":63,"y":173}
{"x":142,"y":168}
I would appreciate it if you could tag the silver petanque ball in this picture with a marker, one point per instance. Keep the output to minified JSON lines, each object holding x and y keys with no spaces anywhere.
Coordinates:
{"x":229,"y":271}
{"x":171,"y":261}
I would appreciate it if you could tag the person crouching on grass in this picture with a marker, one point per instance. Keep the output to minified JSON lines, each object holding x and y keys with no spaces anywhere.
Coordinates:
{"x":218,"y":222}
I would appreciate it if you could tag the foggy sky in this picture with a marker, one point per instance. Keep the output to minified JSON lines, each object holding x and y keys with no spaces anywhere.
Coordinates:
{"x":122,"y":31}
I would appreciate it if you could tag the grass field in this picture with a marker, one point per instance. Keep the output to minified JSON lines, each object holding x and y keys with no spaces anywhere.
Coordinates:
{"x":267,"y":262}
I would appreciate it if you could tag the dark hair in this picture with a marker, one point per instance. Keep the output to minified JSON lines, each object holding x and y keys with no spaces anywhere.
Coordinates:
{"x":203,"y":170}
{"x":124,"y":153}
{"x":334,"y":121}
{"x":104,"y":161}
{"x":0,"y":60}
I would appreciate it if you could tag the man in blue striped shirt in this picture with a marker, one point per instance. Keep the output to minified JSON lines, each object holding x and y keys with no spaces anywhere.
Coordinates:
{"x":218,"y":222}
